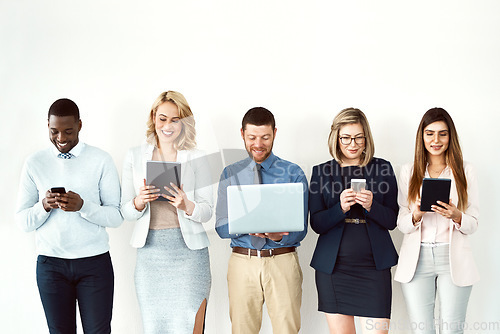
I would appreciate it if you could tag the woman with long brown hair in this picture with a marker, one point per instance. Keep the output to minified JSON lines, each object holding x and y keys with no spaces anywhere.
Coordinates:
{"x":435,"y":257}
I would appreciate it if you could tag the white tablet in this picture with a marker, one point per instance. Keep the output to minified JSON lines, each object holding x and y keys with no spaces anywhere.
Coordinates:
{"x":261,"y":208}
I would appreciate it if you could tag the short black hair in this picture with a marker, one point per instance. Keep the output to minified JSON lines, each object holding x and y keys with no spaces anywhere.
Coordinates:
{"x":258,"y":116}
{"x":64,"y":107}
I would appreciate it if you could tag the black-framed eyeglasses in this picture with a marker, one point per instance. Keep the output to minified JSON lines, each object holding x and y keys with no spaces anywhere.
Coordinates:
{"x":347,"y":140}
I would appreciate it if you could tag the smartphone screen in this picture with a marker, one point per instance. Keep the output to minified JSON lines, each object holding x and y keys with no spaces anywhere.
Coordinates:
{"x":59,"y":190}
{"x":358,"y":184}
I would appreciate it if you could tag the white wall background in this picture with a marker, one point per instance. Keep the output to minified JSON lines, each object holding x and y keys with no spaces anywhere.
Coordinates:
{"x":305,"y":61}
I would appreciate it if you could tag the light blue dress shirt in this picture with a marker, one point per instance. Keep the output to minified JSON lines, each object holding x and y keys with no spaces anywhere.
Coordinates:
{"x":274,"y":170}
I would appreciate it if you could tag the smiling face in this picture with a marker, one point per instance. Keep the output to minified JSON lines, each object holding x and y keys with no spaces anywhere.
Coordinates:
{"x":351,"y":152}
{"x":436,"y":138}
{"x":168,"y":124}
{"x":258,"y":141}
{"x":63,"y":132}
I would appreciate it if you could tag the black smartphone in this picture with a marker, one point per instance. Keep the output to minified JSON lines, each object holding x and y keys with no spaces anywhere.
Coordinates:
{"x":59,"y":190}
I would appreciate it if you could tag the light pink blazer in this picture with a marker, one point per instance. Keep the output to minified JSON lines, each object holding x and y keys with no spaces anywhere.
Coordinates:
{"x":462,"y":266}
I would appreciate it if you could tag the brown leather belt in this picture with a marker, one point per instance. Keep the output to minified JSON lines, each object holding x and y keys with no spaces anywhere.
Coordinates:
{"x":355,"y":221}
{"x":263,"y":252}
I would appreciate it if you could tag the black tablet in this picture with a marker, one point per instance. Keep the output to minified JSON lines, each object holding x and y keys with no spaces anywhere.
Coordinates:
{"x":434,"y":190}
{"x":160,"y":174}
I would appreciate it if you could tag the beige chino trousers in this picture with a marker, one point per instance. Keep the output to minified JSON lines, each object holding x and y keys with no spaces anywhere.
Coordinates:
{"x":275,"y":280}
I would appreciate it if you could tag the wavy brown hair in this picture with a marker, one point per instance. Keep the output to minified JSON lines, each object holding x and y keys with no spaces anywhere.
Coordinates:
{"x":453,"y":156}
{"x":351,"y":116}
{"x":187,"y":137}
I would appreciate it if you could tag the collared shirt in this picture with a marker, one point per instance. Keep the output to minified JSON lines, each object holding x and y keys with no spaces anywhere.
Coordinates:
{"x":76,"y":151}
{"x":274,"y":170}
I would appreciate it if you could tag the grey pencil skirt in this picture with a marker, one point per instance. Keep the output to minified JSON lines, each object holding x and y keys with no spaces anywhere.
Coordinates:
{"x":171,"y":282}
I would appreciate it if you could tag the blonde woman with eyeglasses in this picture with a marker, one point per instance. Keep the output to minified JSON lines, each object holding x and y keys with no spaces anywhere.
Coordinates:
{"x":354,"y":252}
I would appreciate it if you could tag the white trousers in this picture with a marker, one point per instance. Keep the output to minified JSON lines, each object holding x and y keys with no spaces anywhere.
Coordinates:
{"x":433,"y":278}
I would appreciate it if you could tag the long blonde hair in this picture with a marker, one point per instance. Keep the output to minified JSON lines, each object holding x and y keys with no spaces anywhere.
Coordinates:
{"x":351,"y":116}
{"x":453,"y":156}
{"x":187,"y":138}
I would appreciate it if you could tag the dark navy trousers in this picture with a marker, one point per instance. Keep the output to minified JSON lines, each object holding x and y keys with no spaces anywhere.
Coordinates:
{"x":63,"y":282}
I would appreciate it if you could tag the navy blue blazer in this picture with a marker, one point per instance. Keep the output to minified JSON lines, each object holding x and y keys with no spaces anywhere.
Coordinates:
{"x":327,"y":218}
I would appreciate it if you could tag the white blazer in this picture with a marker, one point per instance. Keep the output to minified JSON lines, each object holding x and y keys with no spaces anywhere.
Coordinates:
{"x":462,"y":266}
{"x":196,"y":180}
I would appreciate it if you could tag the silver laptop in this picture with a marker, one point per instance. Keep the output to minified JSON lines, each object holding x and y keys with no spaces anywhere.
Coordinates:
{"x":260,"y":208}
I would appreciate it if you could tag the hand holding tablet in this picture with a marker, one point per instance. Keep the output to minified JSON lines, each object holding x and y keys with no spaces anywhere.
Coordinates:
{"x":161,"y":174}
{"x":434,"y":190}
{"x":436,"y":198}
{"x":448,"y":210}
{"x":146,"y":194}
{"x":179,"y":199}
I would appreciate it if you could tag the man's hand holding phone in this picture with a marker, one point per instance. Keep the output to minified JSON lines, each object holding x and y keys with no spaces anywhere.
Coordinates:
{"x":58,"y":198}
{"x":50,"y":200}
{"x":70,"y":202}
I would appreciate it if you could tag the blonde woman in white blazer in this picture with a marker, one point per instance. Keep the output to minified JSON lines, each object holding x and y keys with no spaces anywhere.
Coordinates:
{"x":172,"y":275}
{"x":435,"y":258}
